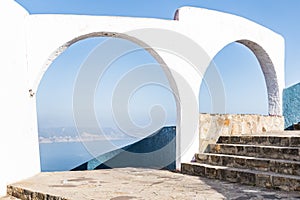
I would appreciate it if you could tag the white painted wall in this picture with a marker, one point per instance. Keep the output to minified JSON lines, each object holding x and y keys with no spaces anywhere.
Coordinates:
{"x":19,"y":155}
{"x":29,"y":44}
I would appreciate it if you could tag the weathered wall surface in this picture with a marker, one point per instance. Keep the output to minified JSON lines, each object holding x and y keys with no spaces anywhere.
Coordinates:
{"x":291,"y":105}
{"x":214,"y":125}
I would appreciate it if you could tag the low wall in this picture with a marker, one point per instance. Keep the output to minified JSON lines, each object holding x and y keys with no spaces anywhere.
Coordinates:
{"x":291,"y":105}
{"x":211,"y":126}
{"x":157,"y":151}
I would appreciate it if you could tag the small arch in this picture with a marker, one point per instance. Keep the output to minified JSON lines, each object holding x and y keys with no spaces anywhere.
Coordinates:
{"x":233,"y":75}
{"x":269,"y":73}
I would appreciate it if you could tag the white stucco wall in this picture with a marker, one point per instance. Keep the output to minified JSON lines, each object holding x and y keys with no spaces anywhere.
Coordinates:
{"x":29,"y":44}
{"x":19,"y":155}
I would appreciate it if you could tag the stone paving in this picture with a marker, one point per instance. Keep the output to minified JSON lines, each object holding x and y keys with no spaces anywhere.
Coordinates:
{"x":133,"y":183}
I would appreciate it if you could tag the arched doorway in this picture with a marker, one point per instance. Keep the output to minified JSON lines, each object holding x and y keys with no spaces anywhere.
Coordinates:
{"x":108,"y":82}
{"x":240,"y":93}
{"x":236,"y":78}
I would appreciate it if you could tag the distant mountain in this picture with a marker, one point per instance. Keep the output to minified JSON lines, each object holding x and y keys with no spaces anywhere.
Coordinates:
{"x":58,"y":131}
{"x":71,"y":134}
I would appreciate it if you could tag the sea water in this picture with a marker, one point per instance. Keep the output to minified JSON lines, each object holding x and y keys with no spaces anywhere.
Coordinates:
{"x":64,"y":156}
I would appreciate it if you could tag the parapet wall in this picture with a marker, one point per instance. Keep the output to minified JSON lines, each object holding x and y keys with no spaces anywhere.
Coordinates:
{"x":291,"y":105}
{"x":211,"y":126}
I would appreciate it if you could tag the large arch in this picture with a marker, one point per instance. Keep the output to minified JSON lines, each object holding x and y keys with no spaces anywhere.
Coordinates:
{"x":187,"y":114}
{"x":142,"y":45}
{"x":109,"y":45}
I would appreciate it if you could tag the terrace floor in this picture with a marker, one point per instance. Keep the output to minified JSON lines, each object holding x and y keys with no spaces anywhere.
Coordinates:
{"x":135,"y":183}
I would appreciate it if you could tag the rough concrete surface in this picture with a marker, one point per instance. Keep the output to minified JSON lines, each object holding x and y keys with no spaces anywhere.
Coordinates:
{"x":134,"y":183}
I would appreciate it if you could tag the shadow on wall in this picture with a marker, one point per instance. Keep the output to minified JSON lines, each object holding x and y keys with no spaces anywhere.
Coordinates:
{"x":291,"y":107}
{"x":158,"y":151}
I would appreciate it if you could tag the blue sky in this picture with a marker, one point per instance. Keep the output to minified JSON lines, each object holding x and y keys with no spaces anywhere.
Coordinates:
{"x":243,"y":81}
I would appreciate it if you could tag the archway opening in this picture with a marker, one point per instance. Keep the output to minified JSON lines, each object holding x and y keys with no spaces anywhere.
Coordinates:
{"x":241,"y":85}
{"x":234,"y":97}
{"x":64,"y":145}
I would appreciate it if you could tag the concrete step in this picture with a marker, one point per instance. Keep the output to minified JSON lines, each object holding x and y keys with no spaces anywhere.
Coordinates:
{"x":244,"y":176}
{"x":274,"y":152}
{"x":245,"y":162}
{"x":284,"y":141}
{"x":25,"y":193}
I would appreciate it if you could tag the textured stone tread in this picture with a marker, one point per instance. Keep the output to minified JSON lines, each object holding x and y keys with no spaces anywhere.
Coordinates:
{"x":250,"y":157}
{"x":27,"y":193}
{"x":253,"y":145}
{"x":244,"y":170}
{"x":244,"y":176}
{"x":275,"y":152}
{"x":279,"y":140}
{"x":245,"y":162}
{"x":271,"y":161}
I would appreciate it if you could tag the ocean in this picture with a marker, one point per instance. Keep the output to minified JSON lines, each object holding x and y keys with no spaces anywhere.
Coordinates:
{"x":64,"y":156}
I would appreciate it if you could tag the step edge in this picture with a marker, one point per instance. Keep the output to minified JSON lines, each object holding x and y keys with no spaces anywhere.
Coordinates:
{"x":12,"y":187}
{"x":260,"y":146}
{"x":244,"y":170}
{"x":250,"y":157}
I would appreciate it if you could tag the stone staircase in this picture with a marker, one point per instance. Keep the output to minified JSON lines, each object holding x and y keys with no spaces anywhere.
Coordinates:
{"x":264,"y":161}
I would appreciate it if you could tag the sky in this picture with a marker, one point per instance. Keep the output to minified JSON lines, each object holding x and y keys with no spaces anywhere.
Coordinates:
{"x":243,"y":80}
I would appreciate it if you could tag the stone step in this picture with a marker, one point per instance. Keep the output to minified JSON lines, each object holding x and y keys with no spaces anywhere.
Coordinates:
{"x":284,"y":141}
{"x":32,"y":192}
{"x":245,"y":162}
{"x":244,"y":176}
{"x":286,"y":153}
